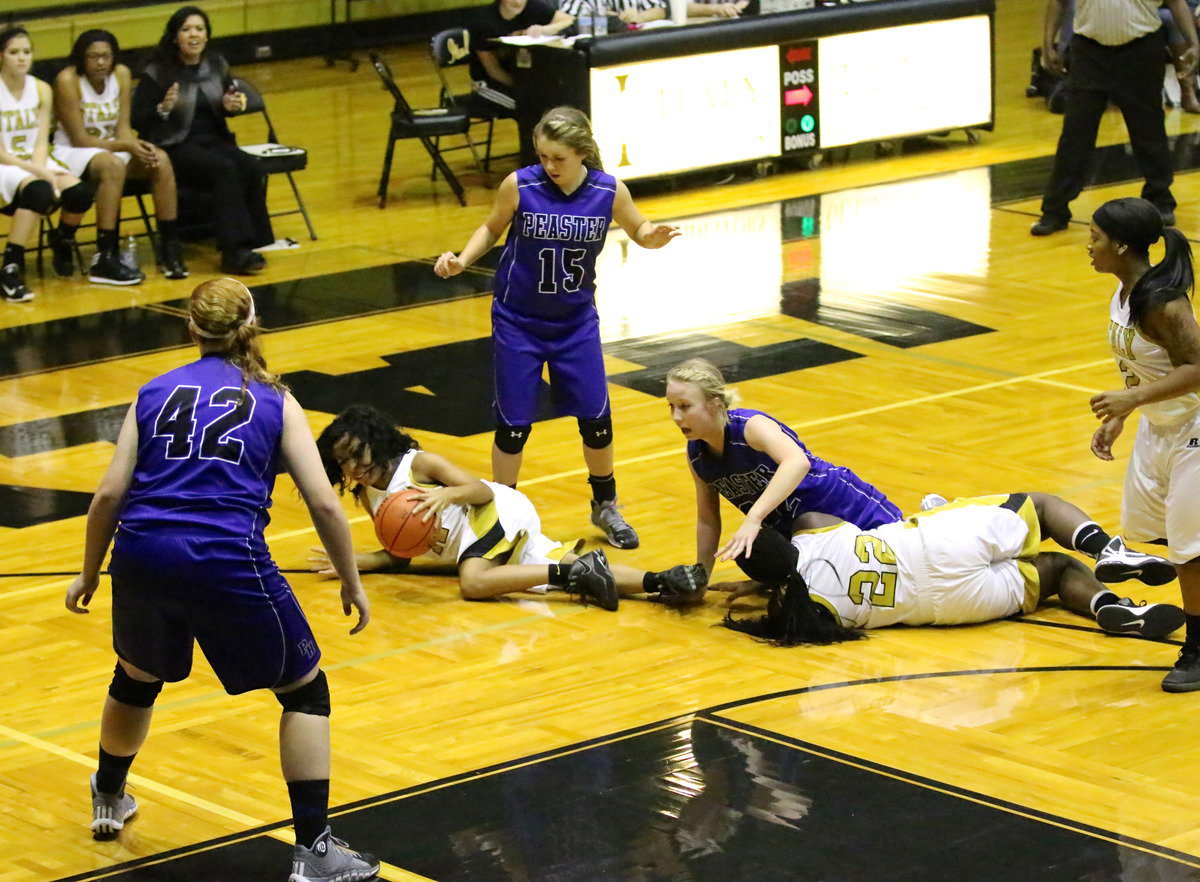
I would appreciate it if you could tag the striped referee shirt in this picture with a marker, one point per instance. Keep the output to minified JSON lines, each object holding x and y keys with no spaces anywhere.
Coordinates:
{"x":612,"y":7}
{"x":1116,"y":22}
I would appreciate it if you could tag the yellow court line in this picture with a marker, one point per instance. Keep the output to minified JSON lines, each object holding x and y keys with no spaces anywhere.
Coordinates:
{"x":148,"y":784}
{"x":826,"y":753}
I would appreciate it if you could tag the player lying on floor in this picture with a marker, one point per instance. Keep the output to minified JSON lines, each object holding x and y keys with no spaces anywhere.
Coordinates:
{"x":973,"y":560}
{"x":491,"y":532}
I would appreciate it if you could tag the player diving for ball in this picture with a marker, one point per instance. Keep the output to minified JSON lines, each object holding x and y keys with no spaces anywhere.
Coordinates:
{"x":491,"y":532}
{"x":972,"y":560}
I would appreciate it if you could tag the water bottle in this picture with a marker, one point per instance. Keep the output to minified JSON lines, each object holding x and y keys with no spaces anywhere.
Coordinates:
{"x":587,"y":20}
{"x":600,"y":20}
{"x":129,"y":254}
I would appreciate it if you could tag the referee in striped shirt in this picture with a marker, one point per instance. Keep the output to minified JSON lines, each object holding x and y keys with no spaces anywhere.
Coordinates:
{"x":629,"y":11}
{"x":1118,"y":54}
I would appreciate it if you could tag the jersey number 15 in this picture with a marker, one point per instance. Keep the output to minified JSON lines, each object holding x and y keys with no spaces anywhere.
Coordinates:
{"x":571,"y":273}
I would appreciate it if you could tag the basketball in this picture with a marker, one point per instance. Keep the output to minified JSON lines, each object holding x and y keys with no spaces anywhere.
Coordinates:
{"x":401,"y":532}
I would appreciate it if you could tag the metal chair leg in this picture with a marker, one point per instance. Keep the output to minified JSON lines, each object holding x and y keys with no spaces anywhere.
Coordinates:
{"x":312,"y":234}
{"x":387,"y":169}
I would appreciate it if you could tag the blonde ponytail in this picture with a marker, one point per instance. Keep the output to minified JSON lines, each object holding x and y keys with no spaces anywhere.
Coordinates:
{"x":221,"y":313}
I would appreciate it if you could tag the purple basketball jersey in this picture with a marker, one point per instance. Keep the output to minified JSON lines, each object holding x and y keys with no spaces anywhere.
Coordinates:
{"x":741,"y":473}
{"x":207,"y":453}
{"x":548,"y":266}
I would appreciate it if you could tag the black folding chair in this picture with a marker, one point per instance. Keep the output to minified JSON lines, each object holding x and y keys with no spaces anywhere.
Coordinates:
{"x":426,"y":125}
{"x":276,"y":158}
{"x":452,"y":48}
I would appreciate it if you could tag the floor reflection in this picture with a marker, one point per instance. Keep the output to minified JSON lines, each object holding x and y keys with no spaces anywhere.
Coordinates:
{"x":708,"y":800}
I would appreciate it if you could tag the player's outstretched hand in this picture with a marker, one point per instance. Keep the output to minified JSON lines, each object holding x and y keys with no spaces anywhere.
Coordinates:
{"x":735,"y":590}
{"x":356,"y":598}
{"x":448,"y":265}
{"x":79,"y":595}
{"x":660,"y":234}
{"x":319,"y":562}
{"x":741,"y":541}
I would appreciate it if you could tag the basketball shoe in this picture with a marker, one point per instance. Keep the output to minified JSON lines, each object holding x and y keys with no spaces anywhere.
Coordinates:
{"x":62,"y":252}
{"x":590,"y":577}
{"x":1185,"y":676}
{"x":12,"y":284}
{"x":331,"y":860}
{"x":933,"y":500}
{"x":681,"y":584}
{"x":1154,"y":621}
{"x":110,"y":811}
{"x":1117,"y":563}
{"x":617,"y":531}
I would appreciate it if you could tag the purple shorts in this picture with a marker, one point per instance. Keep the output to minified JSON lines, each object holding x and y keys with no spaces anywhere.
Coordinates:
{"x":170,"y":590}
{"x":522,"y":344}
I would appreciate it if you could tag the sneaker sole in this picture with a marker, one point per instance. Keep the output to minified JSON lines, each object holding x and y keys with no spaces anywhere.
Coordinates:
{"x":1182,"y":685}
{"x":1151,"y":573}
{"x":1150,"y":622}
{"x":99,"y":280}
{"x":108,"y":828}
{"x":8,"y":299}
{"x":176,"y":277}
{"x":613,"y":541}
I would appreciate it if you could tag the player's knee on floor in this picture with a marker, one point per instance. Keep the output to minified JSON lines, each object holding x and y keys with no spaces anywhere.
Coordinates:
{"x":136,"y":693}
{"x":511,"y":439}
{"x":772,"y":558}
{"x":37,"y":196}
{"x":596,"y":434}
{"x":78,"y":198}
{"x":311,"y":698}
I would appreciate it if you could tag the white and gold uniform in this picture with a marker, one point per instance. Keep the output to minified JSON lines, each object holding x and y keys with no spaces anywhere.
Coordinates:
{"x":1162,"y":482}
{"x":508,"y":526}
{"x":101,"y":112}
{"x":968,"y":561}
{"x":18,"y":134}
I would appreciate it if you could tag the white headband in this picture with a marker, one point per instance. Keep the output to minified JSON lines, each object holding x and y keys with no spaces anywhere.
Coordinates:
{"x":200,"y":332}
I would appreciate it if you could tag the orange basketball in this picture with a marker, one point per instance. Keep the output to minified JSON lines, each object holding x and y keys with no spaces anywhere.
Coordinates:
{"x":401,"y":532}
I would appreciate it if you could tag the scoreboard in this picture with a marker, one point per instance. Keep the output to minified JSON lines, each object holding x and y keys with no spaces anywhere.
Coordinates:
{"x":706,"y":109}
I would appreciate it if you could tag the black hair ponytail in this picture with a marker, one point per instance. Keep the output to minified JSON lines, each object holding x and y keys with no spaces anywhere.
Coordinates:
{"x":793,"y":618}
{"x":1170,"y":278}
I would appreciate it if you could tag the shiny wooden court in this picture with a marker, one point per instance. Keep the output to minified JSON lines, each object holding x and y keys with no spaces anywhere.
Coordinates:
{"x":923,"y":338}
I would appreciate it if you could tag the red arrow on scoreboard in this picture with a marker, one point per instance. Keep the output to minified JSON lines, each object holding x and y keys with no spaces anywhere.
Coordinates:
{"x":802,"y":96}
{"x":795,"y":55}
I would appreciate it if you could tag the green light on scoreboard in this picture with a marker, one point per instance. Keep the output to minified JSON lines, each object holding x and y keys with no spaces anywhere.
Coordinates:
{"x":808,"y":226}
{"x":807,"y":122}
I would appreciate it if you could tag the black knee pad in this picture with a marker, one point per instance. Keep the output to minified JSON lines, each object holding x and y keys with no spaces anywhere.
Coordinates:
{"x":78,"y":198}
{"x":772,"y":558}
{"x":133,"y":692}
{"x":511,"y":439}
{"x":311,"y":698}
{"x":596,"y":434}
{"x":36,"y":196}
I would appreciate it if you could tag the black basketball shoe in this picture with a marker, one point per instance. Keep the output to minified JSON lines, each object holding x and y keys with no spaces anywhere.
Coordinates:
{"x":590,"y":577}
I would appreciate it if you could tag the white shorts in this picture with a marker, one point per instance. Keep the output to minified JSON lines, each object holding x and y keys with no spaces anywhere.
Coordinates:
{"x":11,"y":179}
{"x":508,"y":527}
{"x":1162,"y":486}
{"x":979,"y":559}
{"x":76,"y":159}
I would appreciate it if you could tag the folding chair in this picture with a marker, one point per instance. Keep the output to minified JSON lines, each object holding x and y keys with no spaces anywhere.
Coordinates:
{"x":425,"y":125}
{"x":452,"y":48}
{"x":276,"y":158}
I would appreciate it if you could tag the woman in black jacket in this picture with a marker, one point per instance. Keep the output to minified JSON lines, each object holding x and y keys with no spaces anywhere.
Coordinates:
{"x":181,"y":104}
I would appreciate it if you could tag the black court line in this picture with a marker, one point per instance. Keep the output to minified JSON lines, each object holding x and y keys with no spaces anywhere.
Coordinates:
{"x":375,"y":819}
